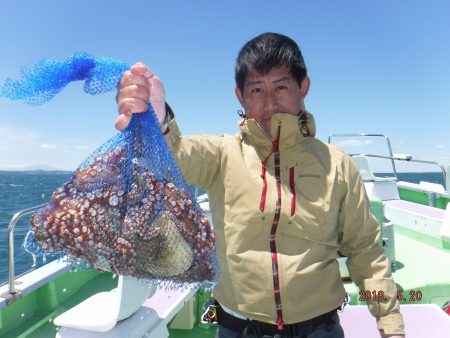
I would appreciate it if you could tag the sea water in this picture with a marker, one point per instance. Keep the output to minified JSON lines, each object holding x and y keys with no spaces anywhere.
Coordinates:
{"x":21,"y":190}
{"x":25,"y":189}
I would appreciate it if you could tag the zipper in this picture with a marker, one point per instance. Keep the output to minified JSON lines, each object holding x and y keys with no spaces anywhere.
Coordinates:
{"x":276,"y":219}
{"x":292,"y":186}
{"x":272,"y":238}
{"x":268,"y":136}
{"x":262,"y":202}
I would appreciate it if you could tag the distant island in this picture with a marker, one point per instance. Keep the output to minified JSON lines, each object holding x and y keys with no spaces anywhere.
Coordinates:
{"x":37,"y":172}
{"x":37,"y":169}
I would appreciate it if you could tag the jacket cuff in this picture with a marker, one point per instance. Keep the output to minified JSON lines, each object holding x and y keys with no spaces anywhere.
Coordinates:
{"x":169,"y":117}
{"x":391,"y":324}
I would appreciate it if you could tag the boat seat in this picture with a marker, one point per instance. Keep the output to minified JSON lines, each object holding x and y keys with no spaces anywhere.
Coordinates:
{"x":152,"y":319}
{"x":384,"y":188}
{"x":417,"y":209}
{"x":101,"y":312}
{"x":445,"y":230}
{"x":362,"y":163}
{"x":421,"y":218}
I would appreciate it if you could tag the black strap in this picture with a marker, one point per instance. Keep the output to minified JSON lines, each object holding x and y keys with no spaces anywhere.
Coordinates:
{"x":247,"y":326}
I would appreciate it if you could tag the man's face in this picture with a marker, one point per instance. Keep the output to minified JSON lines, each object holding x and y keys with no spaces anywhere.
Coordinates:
{"x":275,"y":92}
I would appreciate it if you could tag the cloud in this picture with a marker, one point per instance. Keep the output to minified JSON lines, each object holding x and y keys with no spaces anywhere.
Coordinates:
{"x":23,"y":148}
{"x":49,"y":146}
{"x":353,"y":143}
{"x":15,"y":138}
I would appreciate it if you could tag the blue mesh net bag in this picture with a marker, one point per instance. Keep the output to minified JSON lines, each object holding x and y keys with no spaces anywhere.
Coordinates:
{"x":127,"y":208}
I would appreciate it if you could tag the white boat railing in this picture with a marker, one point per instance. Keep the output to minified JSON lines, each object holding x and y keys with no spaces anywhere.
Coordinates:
{"x":13,"y":293}
{"x":410,"y":159}
{"x":393,"y":157}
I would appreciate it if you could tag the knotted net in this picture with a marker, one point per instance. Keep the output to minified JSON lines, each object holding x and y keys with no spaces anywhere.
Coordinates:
{"x":127,"y":208}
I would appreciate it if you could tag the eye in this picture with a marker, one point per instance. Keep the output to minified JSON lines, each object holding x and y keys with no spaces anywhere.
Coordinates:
{"x":256,"y":90}
{"x":281,"y":87}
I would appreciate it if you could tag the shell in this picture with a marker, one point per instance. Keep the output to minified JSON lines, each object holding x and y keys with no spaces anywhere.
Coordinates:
{"x":151,"y":230}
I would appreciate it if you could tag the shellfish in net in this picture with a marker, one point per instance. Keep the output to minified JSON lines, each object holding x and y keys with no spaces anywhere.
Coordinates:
{"x":127,"y":208}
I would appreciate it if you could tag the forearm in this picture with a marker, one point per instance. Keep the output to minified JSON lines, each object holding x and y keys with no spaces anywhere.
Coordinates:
{"x":370,"y":272}
{"x":199,"y":157}
{"x":367,"y":263}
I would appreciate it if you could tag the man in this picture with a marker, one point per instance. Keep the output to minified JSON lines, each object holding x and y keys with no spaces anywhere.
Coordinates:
{"x":283,"y":203}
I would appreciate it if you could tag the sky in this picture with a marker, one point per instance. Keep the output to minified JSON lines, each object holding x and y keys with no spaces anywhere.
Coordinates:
{"x":380,"y":67}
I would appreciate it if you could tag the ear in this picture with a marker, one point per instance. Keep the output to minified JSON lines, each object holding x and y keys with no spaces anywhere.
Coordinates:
{"x":238,"y":93}
{"x":304,"y":88}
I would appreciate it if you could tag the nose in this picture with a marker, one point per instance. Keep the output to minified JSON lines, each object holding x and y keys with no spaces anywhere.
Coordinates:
{"x":270,"y":102}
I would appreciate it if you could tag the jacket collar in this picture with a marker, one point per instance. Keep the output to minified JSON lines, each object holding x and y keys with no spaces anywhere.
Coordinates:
{"x":290,"y":134}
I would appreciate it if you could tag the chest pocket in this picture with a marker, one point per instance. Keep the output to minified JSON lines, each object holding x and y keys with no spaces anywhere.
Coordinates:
{"x":314,"y":202}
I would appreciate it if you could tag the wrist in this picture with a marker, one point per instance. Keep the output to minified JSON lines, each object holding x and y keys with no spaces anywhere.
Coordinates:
{"x":169,"y":116}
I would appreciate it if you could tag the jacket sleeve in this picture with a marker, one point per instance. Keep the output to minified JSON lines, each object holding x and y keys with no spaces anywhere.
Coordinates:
{"x":198,"y":156}
{"x":367,"y":264}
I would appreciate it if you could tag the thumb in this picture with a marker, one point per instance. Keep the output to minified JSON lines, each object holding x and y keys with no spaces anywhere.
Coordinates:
{"x":141,"y":68}
{"x":157,"y":98}
{"x":122,"y":121}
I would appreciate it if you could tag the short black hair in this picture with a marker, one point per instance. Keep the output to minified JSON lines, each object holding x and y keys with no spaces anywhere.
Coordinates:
{"x":267,"y":51}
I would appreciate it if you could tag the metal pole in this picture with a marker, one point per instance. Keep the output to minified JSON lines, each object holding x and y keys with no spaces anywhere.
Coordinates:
{"x":432,"y":199}
{"x":11,"y":226}
{"x":391,"y":155}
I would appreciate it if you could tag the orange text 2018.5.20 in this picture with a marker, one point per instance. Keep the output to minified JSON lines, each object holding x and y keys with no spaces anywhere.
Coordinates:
{"x":402,"y":295}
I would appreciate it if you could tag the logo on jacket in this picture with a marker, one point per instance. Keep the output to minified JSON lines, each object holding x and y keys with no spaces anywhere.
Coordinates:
{"x":309,"y":175}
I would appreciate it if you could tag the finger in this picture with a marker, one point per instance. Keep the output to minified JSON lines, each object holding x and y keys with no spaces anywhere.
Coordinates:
{"x":128,"y":78}
{"x":122,"y":121}
{"x":149,"y":73}
{"x":133,"y":91}
{"x":140,"y":68}
{"x":130,"y":106}
{"x":157,"y":91}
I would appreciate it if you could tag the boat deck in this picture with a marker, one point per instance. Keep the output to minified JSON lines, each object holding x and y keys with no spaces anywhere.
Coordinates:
{"x":422,"y":273}
{"x":425,"y":320}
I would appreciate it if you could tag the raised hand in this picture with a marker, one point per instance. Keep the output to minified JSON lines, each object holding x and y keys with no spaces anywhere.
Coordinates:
{"x":137,"y":87}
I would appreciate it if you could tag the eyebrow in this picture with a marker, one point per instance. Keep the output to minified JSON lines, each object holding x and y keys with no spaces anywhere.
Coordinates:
{"x":284,"y":78}
{"x":251,"y":83}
